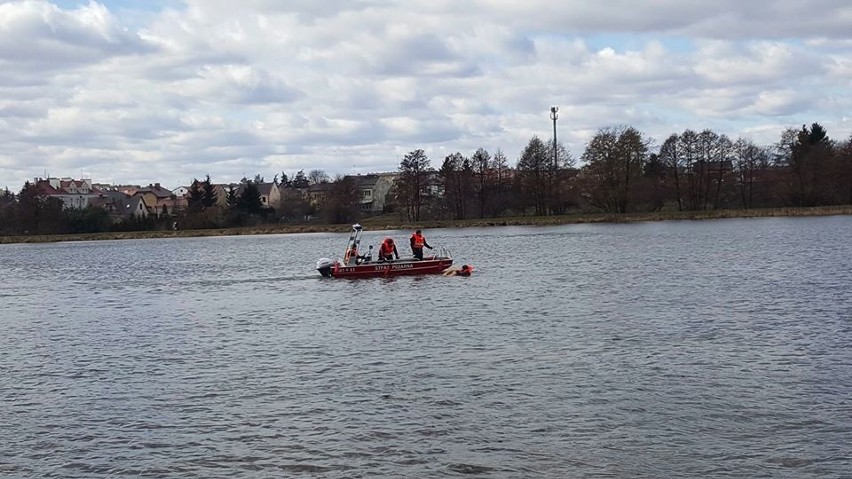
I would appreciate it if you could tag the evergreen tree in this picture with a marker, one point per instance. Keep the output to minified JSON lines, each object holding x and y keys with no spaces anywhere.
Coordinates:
{"x":844,"y":171}
{"x":28,"y":208}
{"x":39,"y":214}
{"x":9,"y":214}
{"x":300,"y":180}
{"x":208,"y":195}
{"x":810,"y":156}
{"x":6,"y":198}
{"x":249,"y":201}
{"x":232,"y":198}
{"x":7,"y":211}
{"x":87,"y":220}
{"x":413,"y":182}
{"x":195,"y":196}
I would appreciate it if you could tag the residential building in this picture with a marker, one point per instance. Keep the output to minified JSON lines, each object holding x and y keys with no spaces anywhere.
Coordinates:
{"x":317,"y":194}
{"x":374,"y":189}
{"x":75,"y":194}
{"x":160,"y":200}
{"x":121,"y":207}
{"x":128,"y":190}
{"x":221,"y":191}
{"x":270,"y":195}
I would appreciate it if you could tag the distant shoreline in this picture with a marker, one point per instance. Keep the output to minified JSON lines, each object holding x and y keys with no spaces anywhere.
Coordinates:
{"x":385,"y":223}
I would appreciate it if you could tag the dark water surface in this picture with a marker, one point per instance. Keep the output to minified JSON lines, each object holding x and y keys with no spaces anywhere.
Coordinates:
{"x":673,"y":349}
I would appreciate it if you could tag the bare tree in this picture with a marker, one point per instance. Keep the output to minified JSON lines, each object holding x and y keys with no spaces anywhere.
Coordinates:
{"x":316,"y":177}
{"x":656,"y":190}
{"x":341,"y":205}
{"x":672,"y":161}
{"x":481,"y":164}
{"x":413,"y":182}
{"x":454,"y":185}
{"x":533,"y":169}
{"x":748,"y":160}
{"x":690,"y":151}
{"x":614,"y":159}
{"x":500,"y":168}
{"x":722,"y":164}
{"x":558,"y":168}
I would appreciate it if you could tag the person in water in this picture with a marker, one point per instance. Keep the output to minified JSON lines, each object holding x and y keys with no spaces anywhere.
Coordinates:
{"x":418,"y":241}
{"x":465,"y":270}
{"x":387,"y":250}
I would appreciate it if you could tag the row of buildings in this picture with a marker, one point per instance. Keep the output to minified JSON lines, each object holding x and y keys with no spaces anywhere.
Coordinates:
{"x":123,"y":202}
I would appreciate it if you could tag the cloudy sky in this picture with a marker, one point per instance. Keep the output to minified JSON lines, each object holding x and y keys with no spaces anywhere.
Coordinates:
{"x":165,"y":91}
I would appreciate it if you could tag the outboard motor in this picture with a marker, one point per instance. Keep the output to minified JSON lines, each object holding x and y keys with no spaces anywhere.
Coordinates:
{"x":324,"y":266}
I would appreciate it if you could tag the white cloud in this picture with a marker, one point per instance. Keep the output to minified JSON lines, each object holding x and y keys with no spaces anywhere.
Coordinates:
{"x":36,"y":36}
{"x":760,"y":63}
{"x":779,"y":102}
{"x":209,"y":86}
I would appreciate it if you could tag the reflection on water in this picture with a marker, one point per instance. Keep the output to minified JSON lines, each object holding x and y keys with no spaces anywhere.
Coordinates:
{"x":677,"y":349}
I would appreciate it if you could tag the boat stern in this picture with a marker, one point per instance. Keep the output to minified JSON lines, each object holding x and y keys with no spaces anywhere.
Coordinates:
{"x":325,"y":267}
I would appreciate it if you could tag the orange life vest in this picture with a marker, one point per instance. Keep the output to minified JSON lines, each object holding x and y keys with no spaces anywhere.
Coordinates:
{"x":386,"y":249}
{"x":350,"y":253}
{"x":418,"y":241}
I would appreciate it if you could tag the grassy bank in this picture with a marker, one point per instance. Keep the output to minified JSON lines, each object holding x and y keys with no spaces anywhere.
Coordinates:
{"x":389,"y":222}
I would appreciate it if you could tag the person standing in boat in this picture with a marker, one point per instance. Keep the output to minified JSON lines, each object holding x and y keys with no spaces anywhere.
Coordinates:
{"x":417,"y":244}
{"x":387,"y":250}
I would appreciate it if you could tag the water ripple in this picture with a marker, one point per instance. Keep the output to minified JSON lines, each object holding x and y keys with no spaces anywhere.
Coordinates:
{"x":680,"y":349}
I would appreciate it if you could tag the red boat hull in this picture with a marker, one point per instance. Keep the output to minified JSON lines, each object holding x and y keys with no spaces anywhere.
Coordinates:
{"x":391,"y":268}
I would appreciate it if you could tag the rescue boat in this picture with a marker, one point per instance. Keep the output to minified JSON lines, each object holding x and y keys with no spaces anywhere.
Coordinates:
{"x":355,"y":265}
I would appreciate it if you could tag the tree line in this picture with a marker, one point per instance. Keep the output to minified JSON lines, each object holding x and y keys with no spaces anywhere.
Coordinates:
{"x":30,"y":212}
{"x":622,"y":171}
{"x":243,"y":206}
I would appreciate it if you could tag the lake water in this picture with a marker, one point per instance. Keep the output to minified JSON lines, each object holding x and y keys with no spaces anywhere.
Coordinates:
{"x":671,"y":349}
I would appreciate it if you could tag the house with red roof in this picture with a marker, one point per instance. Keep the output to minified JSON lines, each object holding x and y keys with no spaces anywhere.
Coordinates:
{"x":75,"y":194}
